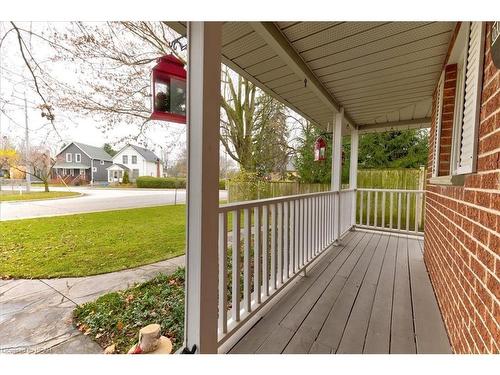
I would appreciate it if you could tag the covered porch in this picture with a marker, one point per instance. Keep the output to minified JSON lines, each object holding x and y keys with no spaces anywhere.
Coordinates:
{"x":116,"y":172}
{"x":331,"y":272}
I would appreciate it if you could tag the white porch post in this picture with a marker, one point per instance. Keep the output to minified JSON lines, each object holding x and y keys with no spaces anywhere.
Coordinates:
{"x":337,"y":168}
{"x":353,"y":170}
{"x":203,"y":89}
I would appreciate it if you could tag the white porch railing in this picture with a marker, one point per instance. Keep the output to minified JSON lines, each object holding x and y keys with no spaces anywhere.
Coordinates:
{"x":347,"y":209}
{"x":275,"y":239}
{"x":391,"y":209}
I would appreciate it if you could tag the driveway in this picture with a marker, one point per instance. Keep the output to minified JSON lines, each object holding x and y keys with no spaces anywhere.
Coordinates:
{"x":94,"y":199}
{"x":35,"y":315}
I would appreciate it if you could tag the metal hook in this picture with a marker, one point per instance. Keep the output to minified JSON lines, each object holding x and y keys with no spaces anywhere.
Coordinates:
{"x":176,"y":43}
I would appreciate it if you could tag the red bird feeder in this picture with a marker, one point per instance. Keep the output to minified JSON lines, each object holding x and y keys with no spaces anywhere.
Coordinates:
{"x":169,"y":90}
{"x":320,"y":149}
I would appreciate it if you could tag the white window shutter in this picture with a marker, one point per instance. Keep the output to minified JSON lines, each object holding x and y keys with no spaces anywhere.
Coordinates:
{"x":472,"y":99}
{"x":437,"y":128}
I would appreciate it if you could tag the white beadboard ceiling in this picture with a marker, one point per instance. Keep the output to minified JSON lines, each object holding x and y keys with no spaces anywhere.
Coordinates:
{"x":380,"y":72}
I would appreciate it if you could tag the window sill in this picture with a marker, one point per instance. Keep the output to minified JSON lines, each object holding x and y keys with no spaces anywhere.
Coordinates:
{"x":456,"y":180}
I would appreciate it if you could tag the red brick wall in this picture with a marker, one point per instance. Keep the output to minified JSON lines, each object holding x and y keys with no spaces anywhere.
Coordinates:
{"x":462,"y":239}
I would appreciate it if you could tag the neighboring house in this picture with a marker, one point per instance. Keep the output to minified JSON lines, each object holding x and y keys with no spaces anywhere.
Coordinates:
{"x":81,"y":162}
{"x":135,"y":160}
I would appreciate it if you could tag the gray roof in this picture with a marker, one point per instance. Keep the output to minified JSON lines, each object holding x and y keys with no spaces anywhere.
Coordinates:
{"x":125,"y":168}
{"x":147,"y":154}
{"x":93,"y":152}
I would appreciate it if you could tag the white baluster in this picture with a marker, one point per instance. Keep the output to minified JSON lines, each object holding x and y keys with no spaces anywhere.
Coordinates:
{"x":236,"y":266}
{"x":222,"y":272}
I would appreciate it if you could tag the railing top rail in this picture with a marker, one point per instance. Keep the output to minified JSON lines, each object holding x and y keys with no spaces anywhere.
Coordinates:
{"x":393,"y":190}
{"x":263,"y":202}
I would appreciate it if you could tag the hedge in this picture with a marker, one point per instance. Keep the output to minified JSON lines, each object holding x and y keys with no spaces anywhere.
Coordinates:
{"x":167,"y":182}
{"x":161,"y":182}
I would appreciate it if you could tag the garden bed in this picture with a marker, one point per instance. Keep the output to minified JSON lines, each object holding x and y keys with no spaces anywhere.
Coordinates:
{"x":116,"y":318}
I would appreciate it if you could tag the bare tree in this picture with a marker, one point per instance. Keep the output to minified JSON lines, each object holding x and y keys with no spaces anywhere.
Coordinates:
{"x":40,"y":165}
{"x":253,"y":126}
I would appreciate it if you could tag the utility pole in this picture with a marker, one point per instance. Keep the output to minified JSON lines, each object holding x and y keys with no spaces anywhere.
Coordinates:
{"x":28,"y":169}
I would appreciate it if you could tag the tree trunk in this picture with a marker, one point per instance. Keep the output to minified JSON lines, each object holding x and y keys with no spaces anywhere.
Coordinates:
{"x":46,"y":184}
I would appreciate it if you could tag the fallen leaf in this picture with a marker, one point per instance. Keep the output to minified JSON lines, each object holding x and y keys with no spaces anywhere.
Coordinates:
{"x":119,"y":326}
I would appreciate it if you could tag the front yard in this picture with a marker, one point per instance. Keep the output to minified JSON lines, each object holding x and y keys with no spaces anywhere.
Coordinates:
{"x":11,"y":196}
{"x":89,"y":244}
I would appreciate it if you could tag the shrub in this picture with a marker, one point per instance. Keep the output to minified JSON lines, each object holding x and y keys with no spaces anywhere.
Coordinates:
{"x":161,"y":182}
{"x":222,"y":184}
{"x":125,"y":179}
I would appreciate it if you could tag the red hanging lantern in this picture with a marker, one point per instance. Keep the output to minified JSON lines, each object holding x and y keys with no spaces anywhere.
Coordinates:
{"x":320,"y":149}
{"x":168,"y":84}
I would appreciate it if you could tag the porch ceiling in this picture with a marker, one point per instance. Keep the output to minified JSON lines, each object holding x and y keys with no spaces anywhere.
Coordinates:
{"x":380,"y":72}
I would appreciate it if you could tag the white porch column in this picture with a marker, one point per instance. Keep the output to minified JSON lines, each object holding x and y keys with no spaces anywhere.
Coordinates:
{"x":203,"y":106}
{"x":337,"y":168}
{"x":353,"y":171}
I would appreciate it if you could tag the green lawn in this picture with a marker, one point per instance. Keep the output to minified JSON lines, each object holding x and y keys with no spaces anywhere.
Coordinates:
{"x":89,"y":244}
{"x":9,"y":196}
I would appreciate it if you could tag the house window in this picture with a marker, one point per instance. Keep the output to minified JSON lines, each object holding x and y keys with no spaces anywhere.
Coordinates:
{"x":102,"y":162}
{"x":135,"y":173}
{"x":134,"y":159}
{"x":78,"y":158}
{"x":125,"y":159}
{"x":455,"y":157}
{"x":69,"y":158}
{"x":468,"y":99}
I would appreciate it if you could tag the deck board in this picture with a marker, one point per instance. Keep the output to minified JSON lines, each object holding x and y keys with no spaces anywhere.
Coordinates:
{"x":355,"y":331}
{"x":402,"y":334}
{"x":370,"y":295}
{"x":425,"y":308}
{"x":378,"y":335}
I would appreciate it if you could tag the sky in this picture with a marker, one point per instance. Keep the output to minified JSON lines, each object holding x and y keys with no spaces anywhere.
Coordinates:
{"x":15,"y":84}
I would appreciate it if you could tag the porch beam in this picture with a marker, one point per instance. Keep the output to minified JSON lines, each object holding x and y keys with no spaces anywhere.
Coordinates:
{"x":270,"y":33}
{"x":203,"y":89}
{"x":337,"y":167}
{"x":395,"y":125}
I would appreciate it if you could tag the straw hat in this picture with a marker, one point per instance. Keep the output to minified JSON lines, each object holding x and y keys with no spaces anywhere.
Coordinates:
{"x":151,"y":341}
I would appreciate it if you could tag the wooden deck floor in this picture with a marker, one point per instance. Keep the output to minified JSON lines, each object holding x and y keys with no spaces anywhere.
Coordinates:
{"x":370,"y":295}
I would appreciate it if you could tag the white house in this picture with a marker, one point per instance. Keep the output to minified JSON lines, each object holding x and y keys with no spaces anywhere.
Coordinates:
{"x":135,"y":160}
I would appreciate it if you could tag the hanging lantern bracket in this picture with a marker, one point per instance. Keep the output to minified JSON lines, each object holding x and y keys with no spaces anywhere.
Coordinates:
{"x":178,"y":45}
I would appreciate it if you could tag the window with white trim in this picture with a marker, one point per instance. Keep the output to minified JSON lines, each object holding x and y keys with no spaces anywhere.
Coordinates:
{"x":69,"y":157}
{"x":78,"y":158}
{"x":468,"y":54}
{"x":468,"y":98}
{"x":134,"y":159}
{"x":125,"y":159}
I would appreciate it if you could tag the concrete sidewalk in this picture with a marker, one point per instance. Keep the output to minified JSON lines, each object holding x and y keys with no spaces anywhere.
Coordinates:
{"x":35,"y":315}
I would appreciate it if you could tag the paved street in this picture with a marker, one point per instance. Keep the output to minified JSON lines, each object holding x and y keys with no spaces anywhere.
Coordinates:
{"x":92,"y":200}
{"x":35,"y":315}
